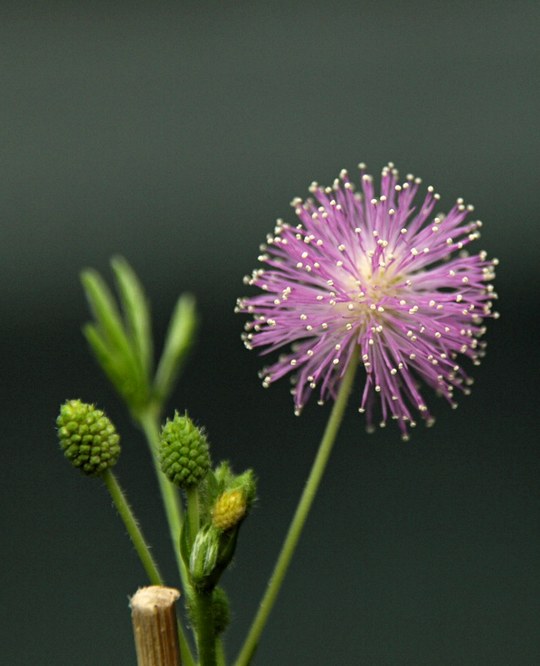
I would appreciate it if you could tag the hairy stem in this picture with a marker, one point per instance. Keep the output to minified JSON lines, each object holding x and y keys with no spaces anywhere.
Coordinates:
{"x":132,"y":527}
{"x":206,"y":638}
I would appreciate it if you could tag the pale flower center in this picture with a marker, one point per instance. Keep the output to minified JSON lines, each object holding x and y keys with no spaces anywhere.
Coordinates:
{"x":367,"y":292}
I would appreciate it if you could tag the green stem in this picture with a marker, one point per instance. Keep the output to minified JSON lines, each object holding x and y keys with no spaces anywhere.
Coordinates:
{"x":220,"y":653}
{"x":149,"y":422}
{"x":299,"y":519}
{"x":132,"y":527}
{"x":142,"y":549}
{"x":192,"y":498}
{"x":185,"y":650}
{"x":206,"y":639}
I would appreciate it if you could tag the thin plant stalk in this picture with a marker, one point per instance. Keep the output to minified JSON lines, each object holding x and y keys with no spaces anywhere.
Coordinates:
{"x":300,"y":516}
{"x":206,"y":638}
{"x":192,"y":498}
{"x":133,"y":529}
{"x":220,"y":653}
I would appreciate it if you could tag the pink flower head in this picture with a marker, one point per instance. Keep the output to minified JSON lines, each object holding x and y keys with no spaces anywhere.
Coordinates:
{"x":376,"y":276}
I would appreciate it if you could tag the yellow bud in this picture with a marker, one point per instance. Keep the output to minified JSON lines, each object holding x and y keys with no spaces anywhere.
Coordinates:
{"x":229,"y":509}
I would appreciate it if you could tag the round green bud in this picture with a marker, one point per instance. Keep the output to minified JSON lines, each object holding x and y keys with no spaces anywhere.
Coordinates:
{"x":87,"y":437}
{"x":183,"y":453}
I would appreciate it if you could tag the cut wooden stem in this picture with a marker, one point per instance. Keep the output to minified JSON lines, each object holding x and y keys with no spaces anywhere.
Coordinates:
{"x":155,"y":627}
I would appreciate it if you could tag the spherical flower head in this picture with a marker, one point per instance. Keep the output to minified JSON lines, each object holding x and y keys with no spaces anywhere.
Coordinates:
{"x":184,"y":453}
{"x":87,"y":437}
{"x":380,"y":277}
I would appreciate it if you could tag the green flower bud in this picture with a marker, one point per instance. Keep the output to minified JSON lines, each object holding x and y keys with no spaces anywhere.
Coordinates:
{"x":210,"y":555}
{"x":220,"y":610}
{"x":87,"y":437}
{"x":229,"y":509}
{"x":227,"y":480}
{"x":203,"y":558}
{"x":233,"y":504}
{"x":184,"y":455}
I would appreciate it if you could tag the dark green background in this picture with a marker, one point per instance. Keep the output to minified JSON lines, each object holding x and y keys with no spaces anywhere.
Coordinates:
{"x":175,"y":133}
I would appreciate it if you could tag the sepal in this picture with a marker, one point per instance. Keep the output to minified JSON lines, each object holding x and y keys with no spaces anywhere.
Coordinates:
{"x":203,"y":557}
{"x":210,"y":555}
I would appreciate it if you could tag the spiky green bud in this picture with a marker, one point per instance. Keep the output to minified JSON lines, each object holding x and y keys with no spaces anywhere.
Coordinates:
{"x":183,"y":453}
{"x":88,"y":438}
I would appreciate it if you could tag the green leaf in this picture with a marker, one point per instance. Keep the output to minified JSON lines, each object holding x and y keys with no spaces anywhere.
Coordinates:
{"x":114,"y":365}
{"x":185,"y":543}
{"x":112,"y":345}
{"x":106,"y":312}
{"x":177,"y":345}
{"x":136,"y":313}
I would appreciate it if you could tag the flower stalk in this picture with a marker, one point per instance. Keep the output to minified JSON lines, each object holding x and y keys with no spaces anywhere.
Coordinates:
{"x":206,"y":637}
{"x":132,"y":527}
{"x":300,"y":516}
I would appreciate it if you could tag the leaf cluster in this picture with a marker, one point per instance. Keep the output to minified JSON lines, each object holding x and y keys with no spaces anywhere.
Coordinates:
{"x":121,"y":338}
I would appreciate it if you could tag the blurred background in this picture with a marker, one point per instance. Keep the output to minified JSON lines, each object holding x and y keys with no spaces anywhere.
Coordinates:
{"x":174,"y":134}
